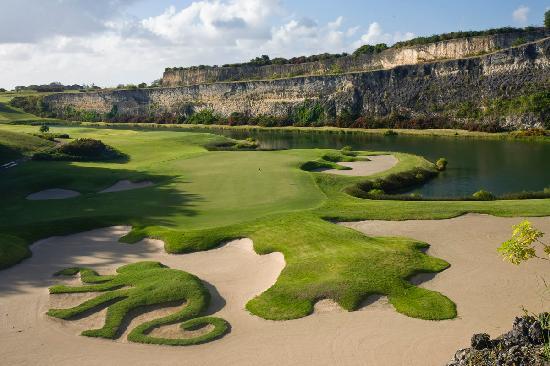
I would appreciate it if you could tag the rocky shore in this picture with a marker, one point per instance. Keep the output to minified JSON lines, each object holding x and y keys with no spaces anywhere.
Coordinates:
{"x":525,"y":345}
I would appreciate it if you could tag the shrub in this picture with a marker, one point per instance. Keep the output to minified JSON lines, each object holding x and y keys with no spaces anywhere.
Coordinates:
{"x":519,"y":41}
{"x":370,"y":50}
{"x":81,"y":150}
{"x":204,"y":117}
{"x":348,"y":151}
{"x":237,"y":119}
{"x":336,"y":157}
{"x":441,"y":164}
{"x":483,"y":195}
{"x":390,"y":133}
{"x":376,"y":192}
{"x":308,"y":114}
{"x":393,"y":183}
{"x":530,"y":132}
{"x":44,"y":128}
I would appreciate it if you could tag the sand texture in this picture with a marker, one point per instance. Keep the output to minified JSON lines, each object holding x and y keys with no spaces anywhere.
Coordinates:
{"x":126,"y":185}
{"x":53,"y":194}
{"x":375,"y":164}
{"x":488,"y":293}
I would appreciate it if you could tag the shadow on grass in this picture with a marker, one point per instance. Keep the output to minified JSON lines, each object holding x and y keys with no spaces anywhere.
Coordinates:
{"x":29,"y":221}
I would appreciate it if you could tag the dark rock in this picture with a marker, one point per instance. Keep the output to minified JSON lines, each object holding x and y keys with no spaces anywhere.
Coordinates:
{"x":522,"y":346}
{"x":536,"y":334}
{"x":481,"y":341}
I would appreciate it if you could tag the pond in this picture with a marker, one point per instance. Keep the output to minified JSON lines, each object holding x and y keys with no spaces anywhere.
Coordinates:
{"x":499,"y":166}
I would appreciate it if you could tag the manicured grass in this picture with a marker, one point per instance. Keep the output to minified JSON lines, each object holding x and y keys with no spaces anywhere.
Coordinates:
{"x":15,"y":145}
{"x":141,"y":285}
{"x":201,"y":199}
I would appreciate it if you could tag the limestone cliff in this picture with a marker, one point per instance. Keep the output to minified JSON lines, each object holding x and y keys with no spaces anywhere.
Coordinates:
{"x":428,"y":90}
{"x":390,"y":58}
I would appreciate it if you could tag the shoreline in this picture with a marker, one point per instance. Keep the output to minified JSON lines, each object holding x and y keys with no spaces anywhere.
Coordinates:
{"x":447,"y":133}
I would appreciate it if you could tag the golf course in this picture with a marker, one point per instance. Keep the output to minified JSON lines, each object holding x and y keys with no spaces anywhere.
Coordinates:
{"x":185,"y":238}
{"x":274,"y":183}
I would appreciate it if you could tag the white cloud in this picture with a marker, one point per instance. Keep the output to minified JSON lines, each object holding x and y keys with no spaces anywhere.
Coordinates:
{"x":32,"y":20}
{"x":375,"y":34}
{"x":112,"y":47}
{"x":520,"y":14}
{"x":215,"y":21}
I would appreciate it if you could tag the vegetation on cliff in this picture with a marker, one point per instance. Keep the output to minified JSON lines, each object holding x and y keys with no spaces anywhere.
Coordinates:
{"x":265,"y":60}
{"x":457,"y":35}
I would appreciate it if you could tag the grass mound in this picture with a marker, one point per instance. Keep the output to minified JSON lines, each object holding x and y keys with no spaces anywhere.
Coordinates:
{"x":139,"y":285}
{"x":330,"y":160}
{"x":84,"y":149}
{"x":15,"y":145}
{"x":392,"y":183}
{"x":232,"y":145}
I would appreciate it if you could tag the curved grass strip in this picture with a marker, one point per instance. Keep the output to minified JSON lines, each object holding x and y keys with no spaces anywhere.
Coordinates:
{"x":140,"y":285}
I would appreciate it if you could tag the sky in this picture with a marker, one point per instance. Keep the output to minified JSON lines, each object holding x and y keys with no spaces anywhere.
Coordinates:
{"x":111,"y":42}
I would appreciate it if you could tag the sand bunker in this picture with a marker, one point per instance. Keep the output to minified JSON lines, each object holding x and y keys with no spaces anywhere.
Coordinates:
{"x":53,"y":194}
{"x":489,"y":294}
{"x":126,"y":185}
{"x":377,"y":164}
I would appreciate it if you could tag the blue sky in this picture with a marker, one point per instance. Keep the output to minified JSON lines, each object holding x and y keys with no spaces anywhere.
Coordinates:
{"x":108,"y":42}
{"x":423,"y":17}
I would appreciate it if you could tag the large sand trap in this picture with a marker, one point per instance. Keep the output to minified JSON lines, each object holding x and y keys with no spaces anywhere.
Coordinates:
{"x":53,"y":194}
{"x":489,"y":293}
{"x":377,"y":164}
{"x":126,"y":185}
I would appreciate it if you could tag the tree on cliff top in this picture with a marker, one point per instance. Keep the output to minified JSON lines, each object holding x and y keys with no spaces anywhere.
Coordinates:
{"x":547,"y":19}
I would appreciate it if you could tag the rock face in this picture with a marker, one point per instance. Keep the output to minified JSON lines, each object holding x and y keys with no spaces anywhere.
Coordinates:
{"x":522,"y":346}
{"x":452,"y":49}
{"x":419,"y":91}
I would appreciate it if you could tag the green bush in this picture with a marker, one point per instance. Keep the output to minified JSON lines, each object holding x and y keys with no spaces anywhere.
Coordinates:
{"x":81,"y":150}
{"x":336,"y":157}
{"x":441,"y":164}
{"x":483,"y":195}
{"x":370,"y":50}
{"x":376,"y":192}
{"x":204,"y":117}
{"x":390,"y":133}
{"x":456,"y":35}
{"x":394,"y":183}
{"x":308,"y":114}
{"x":348,"y":151}
{"x":519,"y":41}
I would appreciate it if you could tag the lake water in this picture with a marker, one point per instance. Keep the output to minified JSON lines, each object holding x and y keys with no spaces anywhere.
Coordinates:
{"x":499,"y":166}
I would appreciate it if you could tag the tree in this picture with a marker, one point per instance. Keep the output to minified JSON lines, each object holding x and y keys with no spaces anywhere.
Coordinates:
{"x":521,"y":248}
{"x":142,"y":85}
{"x":547,"y":19}
{"x":44,"y":128}
{"x":2,"y":90}
{"x":523,"y":244}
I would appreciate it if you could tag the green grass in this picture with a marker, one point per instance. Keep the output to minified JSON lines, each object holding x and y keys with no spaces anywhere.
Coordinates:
{"x":15,"y":145}
{"x":138,"y":285}
{"x":201,"y":199}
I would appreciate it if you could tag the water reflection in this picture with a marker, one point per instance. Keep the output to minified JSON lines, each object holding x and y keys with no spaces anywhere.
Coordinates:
{"x":499,"y":166}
